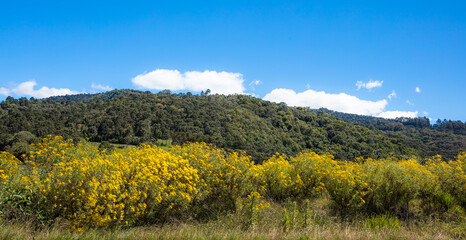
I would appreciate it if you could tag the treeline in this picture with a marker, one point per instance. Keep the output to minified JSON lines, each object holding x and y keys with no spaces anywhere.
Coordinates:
{"x":444,"y":136}
{"x":235,"y":123}
{"x":398,"y":124}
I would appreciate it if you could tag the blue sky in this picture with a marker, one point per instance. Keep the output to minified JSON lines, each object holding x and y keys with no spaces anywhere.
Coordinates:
{"x":343,"y":55}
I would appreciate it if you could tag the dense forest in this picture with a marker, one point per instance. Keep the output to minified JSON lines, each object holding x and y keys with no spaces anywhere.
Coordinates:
{"x":444,"y":137}
{"x":234,"y":122}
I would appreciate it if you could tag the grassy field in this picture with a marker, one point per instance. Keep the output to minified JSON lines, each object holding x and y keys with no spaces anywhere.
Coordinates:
{"x":270,"y":225}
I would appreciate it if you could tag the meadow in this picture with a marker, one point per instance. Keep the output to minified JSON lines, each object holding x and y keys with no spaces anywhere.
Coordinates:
{"x":77,"y":190}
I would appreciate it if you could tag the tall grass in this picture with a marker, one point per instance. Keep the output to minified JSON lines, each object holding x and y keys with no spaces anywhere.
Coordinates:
{"x":268,"y":226}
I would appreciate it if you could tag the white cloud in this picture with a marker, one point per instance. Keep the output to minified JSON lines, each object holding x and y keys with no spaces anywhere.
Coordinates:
{"x":369,"y":85}
{"x":417,"y":89}
{"x":4,"y":91}
{"x":101,"y":87}
{"x":27,"y":89}
{"x":425,"y":113}
{"x":255,"y":83}
{"x":340,"y":102}
{"x":409,"y":103}
{"x":217,"y":82}
{"x":392,"y":95}
{"x":395,"y":114}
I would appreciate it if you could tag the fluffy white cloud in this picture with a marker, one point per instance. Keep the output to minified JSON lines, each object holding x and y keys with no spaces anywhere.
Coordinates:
{"x":339,"y":102}
{"x":217,"y":82}
{"x":417,"y":89}
{"x":4,"y":91}
{"x":27,"y":89}
{"x":369,"y":85}
{"x":101,"y":87}
{"x":392,"y":95}
{"x":395,"y":114}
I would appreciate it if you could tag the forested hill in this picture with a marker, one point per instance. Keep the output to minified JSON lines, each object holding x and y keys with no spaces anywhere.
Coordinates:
{"x":235,"y":122}
{"x":398,"y":124}
{"x":443,"y":137}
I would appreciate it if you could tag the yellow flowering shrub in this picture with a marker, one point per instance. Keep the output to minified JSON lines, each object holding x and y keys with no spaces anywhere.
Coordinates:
{"x":51,"y":150}
{"x":424,"y":181}
{"x":222,"y":175}
{"x":314,"y":171}
{"x":9,"y":165}
{"x":92,"y":189}
{"x":451,"y":175}
{"x":276,"y":178}
{"x":347,"y":187}
{"x":79,"y":186}
{"x":393,"y":184}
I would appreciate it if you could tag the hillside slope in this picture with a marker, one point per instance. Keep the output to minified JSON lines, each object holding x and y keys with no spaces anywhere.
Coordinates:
{"x":445,"y":137}
{"x":235,"y":122}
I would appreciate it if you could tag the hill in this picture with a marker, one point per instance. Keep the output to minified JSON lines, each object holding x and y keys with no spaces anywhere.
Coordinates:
{"x":444,"y":137}
{"x":235,"y":123}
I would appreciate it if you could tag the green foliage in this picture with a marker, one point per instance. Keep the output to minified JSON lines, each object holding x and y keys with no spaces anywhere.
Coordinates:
{"x":20,"y":204}
{"x":285,"y":220}
{"x":307,"y":213}
{"x":235,"y":123}
{"x":253,"y":209}
{"x":106,"y":147}
{"x":394,"y":184}
{"x":447,"y":138}
{"x":294,"y":215}
{"x":19,"y":144}
{"x":250,"y":208}
{"x":383,"y":222}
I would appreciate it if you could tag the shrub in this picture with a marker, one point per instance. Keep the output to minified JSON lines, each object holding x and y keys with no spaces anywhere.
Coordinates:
{"x":313,"y":171}
{"x":146,"y":183}
{"x":347,"y":187}
{"x":276,"y":178}
{"x":393,"y":184}
{"x":18,"y":197}
{"x":9,"y":165}
{"x":223,"y":177}
{"x":451,"y":175}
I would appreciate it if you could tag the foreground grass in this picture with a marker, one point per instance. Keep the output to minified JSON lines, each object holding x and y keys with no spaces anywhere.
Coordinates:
{"x":269,"y":225}
{"x":216,"y":230}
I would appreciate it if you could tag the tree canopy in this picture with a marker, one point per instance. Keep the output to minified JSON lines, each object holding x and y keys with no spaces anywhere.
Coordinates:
{"x":234,"y":122}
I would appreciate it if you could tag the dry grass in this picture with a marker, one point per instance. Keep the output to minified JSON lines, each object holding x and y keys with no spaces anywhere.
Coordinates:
{"x":269,"y":226}
{"x":217,"y":231}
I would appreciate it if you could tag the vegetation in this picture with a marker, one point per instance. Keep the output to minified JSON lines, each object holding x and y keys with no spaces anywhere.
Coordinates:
{"x":234,"y":123}
{"x":129,"y":164}
{"x":76,"y":186}
{"x":441,"y":138}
